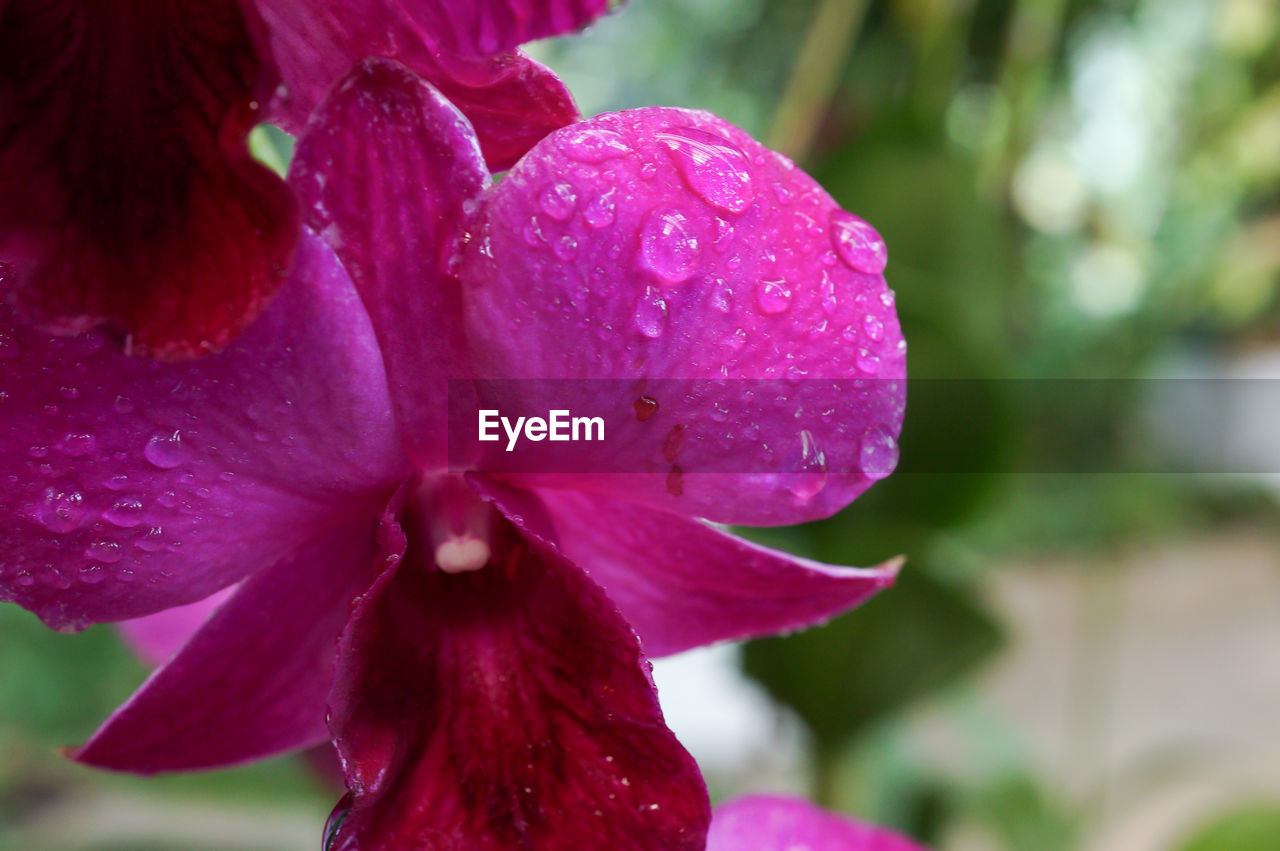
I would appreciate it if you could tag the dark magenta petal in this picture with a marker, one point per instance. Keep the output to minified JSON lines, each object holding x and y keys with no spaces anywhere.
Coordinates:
{"x":156,"y":638}
{"x":129,"y":192}
{"x":391,"y":199}
{"x":664,"y":244}
{"x":682,"y":583}
{"x":776,"y":823}
{"x":254,"y":679}
{"x":506,"y":707}
{"x":511,"y":100}
{"x":486,"y":27}
{"x":133,"y":485}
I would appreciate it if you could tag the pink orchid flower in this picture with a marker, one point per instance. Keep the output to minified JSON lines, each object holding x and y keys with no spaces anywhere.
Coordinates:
{"x":490,"y":690}
{"x":777,"y":823}
{"x":129,"y":191}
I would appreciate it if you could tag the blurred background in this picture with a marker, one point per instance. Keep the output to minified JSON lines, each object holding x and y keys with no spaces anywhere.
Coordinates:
{"x":1081,"y":200}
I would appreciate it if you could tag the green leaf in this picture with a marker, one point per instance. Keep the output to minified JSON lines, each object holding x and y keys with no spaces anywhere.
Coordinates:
{"x":910,"y":641}
{"x":1250,"y":828}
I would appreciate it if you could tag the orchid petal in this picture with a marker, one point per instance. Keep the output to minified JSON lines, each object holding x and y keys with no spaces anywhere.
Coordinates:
{"x":129,"y":191}
{"x":253,"y":680}
{"x":776,"y":823}
{"x":473,"y":28}
{"x":682,"y":583}
{"x":133,"y":485}
{"x":511,"y":100}
{"x":507,"y":707}
{"x":659,"y":246}
{"x":391,"y":200}
{"x":157,"y":638}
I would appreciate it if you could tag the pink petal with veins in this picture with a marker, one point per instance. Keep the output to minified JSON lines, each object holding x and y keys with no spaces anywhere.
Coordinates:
{"x":253,"y":680}
{"x":680,"y":582}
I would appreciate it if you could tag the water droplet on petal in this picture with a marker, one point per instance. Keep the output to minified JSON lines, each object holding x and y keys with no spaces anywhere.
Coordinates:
{"x":668,"y":247}
{"x":565,"y":248}
{"x":773,"y":296}
{"x":593,"y":144}
{"x":9,"y":347}
{"x":532,"y":232}
{"x":165,"y":450}
{"x":558,"y":201}
{"x":867,"y":362}
{"x":93,"y":574}
{"x":651,"y":316}
{"x":107,"y":552}
{"x":152,"y":541}
{"x":724,"y":235}
{"x":874,"y":327}
{"x":722,"y":296}
{"x":77,"y":444}
{"x":600,"y":212}
{"x":827,"y":293}
{"x":879,"y":453}
{"x":61,"y":508}
{"x":858,"y":243}
{"x":809,"y":467}
{"x":125,"y":512}
{"x":713,"y":167}
{"x":123,"y":405}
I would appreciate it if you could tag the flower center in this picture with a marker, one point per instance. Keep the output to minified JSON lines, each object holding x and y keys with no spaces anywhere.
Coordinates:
{"x":461,"y":553}
{"x":455,"y":526}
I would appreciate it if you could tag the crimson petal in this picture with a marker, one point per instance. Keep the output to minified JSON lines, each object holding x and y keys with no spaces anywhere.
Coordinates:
{"x":507,"y":707}
{"x":511,"y":100}
{"x":485,"y":27}
{"x":129,"y":191}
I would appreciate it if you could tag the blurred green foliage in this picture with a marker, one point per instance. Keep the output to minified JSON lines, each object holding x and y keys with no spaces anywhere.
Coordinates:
{"x":1255,"y":828}
{"x":1070,"y":189}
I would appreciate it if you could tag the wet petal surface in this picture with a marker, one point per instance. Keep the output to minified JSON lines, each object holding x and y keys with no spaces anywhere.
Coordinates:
{"x":131,"y":486}
{"x":253,"y":680}
{"x":664,"y":244}
{"x":504,"y":707}
{"x":681,"y":583}
{"x":391,"y":200}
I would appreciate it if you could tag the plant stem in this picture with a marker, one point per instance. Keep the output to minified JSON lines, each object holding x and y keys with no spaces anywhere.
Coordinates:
{"x":815,"y":76}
